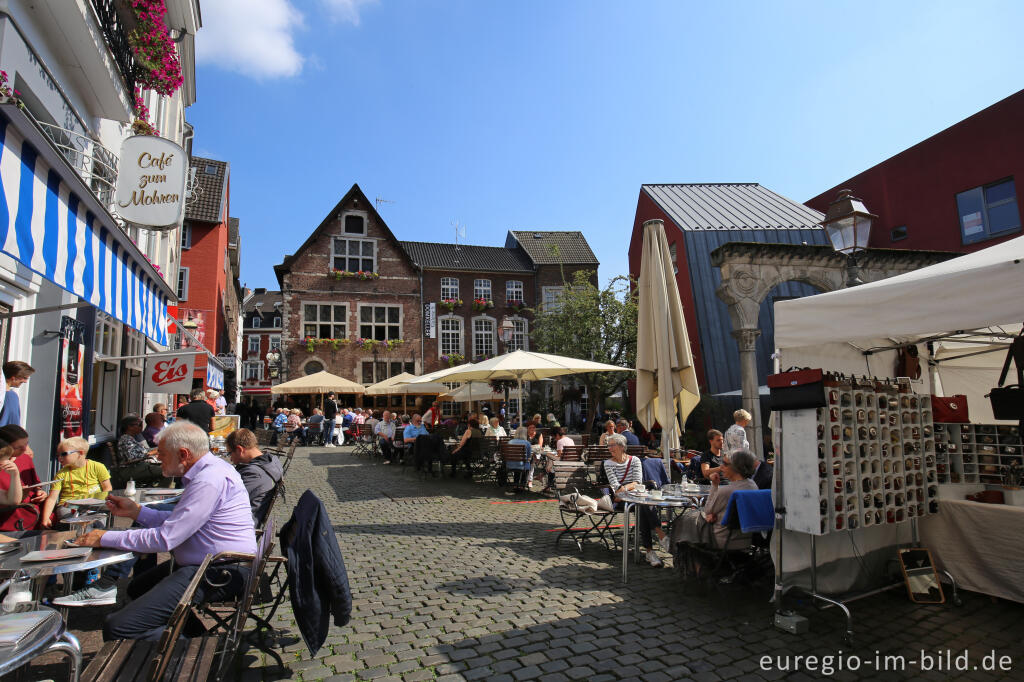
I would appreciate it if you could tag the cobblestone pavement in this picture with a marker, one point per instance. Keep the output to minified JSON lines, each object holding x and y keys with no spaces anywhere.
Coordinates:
{"x":452,"y":582}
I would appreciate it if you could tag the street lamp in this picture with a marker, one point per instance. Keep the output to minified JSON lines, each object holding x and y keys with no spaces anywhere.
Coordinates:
{"x":508,"y":328}
{"x":848,"y":226}
{"x":274,"y":363}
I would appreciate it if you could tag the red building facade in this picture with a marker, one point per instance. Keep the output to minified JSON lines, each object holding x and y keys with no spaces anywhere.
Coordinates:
{"x":955,"y":191}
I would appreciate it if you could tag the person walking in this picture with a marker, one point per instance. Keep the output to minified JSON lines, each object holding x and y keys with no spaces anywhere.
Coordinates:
{"x":330,"y":412}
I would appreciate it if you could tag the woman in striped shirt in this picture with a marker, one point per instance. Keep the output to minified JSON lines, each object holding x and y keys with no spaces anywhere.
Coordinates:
{"x":624,"y":473}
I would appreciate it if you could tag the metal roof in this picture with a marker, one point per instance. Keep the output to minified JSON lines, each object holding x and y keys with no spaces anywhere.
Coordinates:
{"x":434,"y":256}
{"x":731,"y":206}
{"x":266,"y":300}
{"x":573,"y":248}
{"x":211,"y":177}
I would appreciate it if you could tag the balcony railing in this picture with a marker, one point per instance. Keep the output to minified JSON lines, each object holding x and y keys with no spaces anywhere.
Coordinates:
{"x":115,"y":32}
{"x":95,"y":163}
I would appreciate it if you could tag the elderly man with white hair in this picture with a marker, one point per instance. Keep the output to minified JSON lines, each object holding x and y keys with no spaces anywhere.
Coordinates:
{"x":212,"y":516}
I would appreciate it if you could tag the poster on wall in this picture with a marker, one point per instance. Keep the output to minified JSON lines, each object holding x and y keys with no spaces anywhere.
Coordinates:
{"x":169,"y":375}
{"x":430,"y":320}
{"x":71,"y":378}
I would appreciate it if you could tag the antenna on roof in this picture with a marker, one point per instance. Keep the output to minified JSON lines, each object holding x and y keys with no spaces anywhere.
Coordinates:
{"x":460,"y":232}
{"x":381,"y":200}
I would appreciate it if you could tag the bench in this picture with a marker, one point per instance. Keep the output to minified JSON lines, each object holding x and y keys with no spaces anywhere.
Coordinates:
{"x":171,"y":658}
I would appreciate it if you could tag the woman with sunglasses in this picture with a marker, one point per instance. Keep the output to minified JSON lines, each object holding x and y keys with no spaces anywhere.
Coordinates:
{"x":79,"y":478}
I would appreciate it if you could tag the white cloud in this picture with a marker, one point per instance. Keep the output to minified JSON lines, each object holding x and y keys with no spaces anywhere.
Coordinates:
{"x":252,"y":37}
{"x":346,"y":10}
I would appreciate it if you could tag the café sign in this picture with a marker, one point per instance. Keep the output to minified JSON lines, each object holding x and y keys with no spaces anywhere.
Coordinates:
{"x":151,"y":182}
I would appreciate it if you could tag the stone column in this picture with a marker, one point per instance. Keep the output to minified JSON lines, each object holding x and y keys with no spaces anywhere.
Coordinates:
{"x":746,"y":339}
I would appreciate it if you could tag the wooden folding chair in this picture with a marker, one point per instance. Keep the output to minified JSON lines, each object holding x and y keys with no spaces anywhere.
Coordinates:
{"x":571,"y":479}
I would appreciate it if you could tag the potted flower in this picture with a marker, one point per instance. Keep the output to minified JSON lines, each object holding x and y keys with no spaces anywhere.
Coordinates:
{"x":154,"y":51}
{"x":450,"y":304}
{"x":309,"y":343}
{"x":338,"y":343}
{"x":367,"y":344}
{"x":482,"y":304}
{"x":392,"y":344}
{"x":516,"y":305}
{"x":453,"y":359}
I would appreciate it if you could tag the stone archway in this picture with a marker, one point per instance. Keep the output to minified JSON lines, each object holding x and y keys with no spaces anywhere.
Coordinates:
{"x":751,"y":270}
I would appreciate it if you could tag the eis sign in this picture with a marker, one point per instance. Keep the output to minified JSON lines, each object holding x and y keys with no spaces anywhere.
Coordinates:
{"x":170,"y":375}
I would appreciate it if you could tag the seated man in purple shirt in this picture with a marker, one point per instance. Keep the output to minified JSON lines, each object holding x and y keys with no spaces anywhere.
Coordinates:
{"x":213,"y":515}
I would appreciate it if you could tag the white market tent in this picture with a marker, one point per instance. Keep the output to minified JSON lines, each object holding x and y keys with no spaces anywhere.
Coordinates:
{"x":968,"y":304}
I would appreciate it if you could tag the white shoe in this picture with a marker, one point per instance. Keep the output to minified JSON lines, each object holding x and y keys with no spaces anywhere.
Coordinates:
{"x":89,"y":596}
{"x":328,"y":445}
{"x":653,"y":559}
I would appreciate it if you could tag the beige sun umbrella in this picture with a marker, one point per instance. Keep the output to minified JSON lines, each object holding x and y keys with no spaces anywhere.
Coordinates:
{"x":320,"y":382}
{"x":399,"y":385}
{"x":472,"y":392}
{"x":666,"y":382}
{"x":521,"y":365}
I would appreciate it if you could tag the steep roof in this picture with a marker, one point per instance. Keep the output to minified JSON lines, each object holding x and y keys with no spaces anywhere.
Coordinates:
{"x":731,"y":206}
{"x":433,"y":256}
{"x":211,"y":186}
{"x":573,"y":248}
{"x":266,"y":300}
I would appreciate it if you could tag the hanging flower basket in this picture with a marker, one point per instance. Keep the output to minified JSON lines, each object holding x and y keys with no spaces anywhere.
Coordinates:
{"x":358,"y":274}
{"x":453,"y":359}
{"x":9,"y":94}
{"x":482,"y":304}
{"x":449,"y":304}
{"x":141,"y":124}
{"x":153,"y":48}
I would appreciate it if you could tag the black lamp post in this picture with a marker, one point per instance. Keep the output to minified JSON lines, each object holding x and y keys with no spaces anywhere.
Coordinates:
{"x":848,"y":226}
{"x":508,"y":328}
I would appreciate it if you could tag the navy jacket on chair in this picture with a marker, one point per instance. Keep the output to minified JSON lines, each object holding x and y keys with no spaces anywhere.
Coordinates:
{"x":317,"y":579}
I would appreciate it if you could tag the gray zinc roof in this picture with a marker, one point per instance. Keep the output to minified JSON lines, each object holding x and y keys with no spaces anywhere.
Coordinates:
{"x":433,"y":256}
{"x":731,"y":206}
{"x":207,"y":207}
{"x":572,"y":246}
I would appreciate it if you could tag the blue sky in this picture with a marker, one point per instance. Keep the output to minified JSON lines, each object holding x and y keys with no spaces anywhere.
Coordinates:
{"x":550,"y":115}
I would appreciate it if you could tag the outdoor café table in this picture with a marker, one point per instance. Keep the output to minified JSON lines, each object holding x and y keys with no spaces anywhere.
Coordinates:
{"x":694,"y":496}
{"x":41,"y":570}
{"x":50,"y":635}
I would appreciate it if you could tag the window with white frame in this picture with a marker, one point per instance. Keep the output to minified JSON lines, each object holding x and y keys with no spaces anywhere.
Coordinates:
{"x":253,"y":371}
{"x":324,"y":320}
{"x":552,"y":297}
{"x":483,"y":337}
{"x":451,"y":335}
{"x":514,"y":290}
{"x":277,"y":321}
{"x":482,"y":289}
{"x":135,"y":347}
{"x":380,"y":322}
{"x":275,"y":342}
{"x":257,"y":321}
{"x":520,"y":336}
{"x":107,"y":340}
{"x":449,"y":408}
{"x":186,"y":236}
{"x":354,"y":255}
{"x":449,"y":288}
{"x":182,"y":284}
{"x":354,"y":223}
{"x":254,"y":343}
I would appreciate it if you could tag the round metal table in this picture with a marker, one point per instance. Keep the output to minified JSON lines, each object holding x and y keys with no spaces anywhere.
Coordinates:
{"x":693,"y":496}
{"x":50,"y":635}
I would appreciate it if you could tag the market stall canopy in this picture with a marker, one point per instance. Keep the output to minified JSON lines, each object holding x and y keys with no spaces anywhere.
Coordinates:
{"x":399,"y":385}
{"x":980,"y":289}
{"x":666,"y":381}
{"x":321,"y":382}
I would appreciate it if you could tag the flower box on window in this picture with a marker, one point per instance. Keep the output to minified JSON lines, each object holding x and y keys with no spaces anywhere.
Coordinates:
{"x":453,"y":359}
{"x":449,"y":304}
{"x":482,"y":304}
{"x":516,"y":305}
{"x":379,"y":346}
{"x":310,"y":343}
{"x":349,"y":274}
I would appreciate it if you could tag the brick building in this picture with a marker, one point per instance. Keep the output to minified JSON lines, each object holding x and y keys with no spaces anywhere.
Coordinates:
{"x":207,"y":287}
{"x":262,"y":317}
{"x":365,"y":306}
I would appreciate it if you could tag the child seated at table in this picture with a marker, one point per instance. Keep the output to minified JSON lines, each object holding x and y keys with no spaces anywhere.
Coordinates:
{"x":79,"y":478}
{"x":12,"y":495}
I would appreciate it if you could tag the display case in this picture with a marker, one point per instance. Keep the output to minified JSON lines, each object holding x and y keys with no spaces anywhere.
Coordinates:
{"x":867,"y":458}
{"x":977,"y":453}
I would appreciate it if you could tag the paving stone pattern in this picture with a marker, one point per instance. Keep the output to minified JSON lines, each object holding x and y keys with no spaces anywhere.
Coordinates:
{"x":448,"y":585}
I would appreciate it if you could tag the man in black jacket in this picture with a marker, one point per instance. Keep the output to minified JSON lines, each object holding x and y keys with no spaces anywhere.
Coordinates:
{"x":317,"y":579}
{"x":330,"y":411}
{"x":763,"y":475}
{"x":260,"y":472}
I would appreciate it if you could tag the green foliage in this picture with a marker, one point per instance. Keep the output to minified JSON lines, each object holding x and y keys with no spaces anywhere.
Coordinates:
{"x":592,"y":324}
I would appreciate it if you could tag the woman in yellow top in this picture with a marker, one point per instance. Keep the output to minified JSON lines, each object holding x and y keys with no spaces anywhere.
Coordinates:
{"x":78,"y":479}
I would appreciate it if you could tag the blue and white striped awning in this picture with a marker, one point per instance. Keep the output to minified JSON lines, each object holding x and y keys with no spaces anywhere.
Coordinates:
{"x":53,"y":224}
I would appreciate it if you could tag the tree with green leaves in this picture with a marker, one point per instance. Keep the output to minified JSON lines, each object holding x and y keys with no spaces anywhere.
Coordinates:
{"x":595,"y":324}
